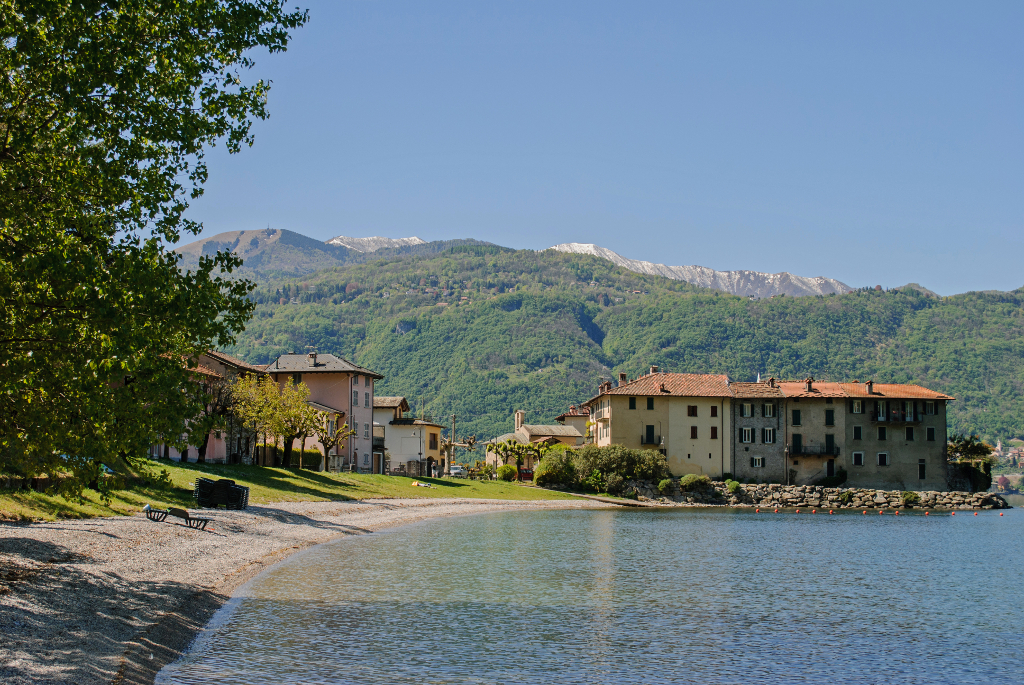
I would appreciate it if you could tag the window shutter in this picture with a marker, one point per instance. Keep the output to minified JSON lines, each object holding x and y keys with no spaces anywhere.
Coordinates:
{"x":751,"y":462}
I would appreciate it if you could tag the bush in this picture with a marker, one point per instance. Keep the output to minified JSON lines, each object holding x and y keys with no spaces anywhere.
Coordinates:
{"x":692,"y":483}
{"x":845,"y":496}
{"x":556,"y":468}
{"x":665,"y":486}
{"x":508,"y":472}
{"x":594,"y":482}
{"x":614,"y":484}
{"x":910,"y":497}
{"x":630,"y":464}
{"x":732,"y":486}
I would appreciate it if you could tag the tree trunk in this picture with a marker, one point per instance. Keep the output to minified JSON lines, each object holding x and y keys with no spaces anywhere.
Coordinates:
{"x":167,"y":451}
{"x":289,"y":441}
{"x":302,"y":451}
{"x":201,"y":449}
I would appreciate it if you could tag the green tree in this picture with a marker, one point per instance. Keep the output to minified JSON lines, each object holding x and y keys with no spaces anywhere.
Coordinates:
{"x":961,"y":448}
{"x":332,"y":434}
{"x":106,"y":109}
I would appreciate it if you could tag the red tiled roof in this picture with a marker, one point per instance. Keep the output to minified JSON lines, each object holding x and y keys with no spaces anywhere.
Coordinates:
{"x":574,"y":411}
{"x":231,"y":361}
{"x":205,"y":371}
{"x":894,"y":390}
{"x":755,"y":390}
{"x":818,"y":389}
{"x":665,"y":384}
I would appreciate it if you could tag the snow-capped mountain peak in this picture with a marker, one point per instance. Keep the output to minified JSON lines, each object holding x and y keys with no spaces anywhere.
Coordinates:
{"x":373,"y":244}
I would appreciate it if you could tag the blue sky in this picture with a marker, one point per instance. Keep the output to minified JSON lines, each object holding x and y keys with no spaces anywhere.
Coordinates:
{"x":876,"y":143}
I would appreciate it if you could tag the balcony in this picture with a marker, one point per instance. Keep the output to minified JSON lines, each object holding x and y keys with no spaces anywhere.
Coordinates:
{"x":812,"y":450}
{"x":378,"y":443}
{"x":894,"y":416}
{"x":655,"y":441}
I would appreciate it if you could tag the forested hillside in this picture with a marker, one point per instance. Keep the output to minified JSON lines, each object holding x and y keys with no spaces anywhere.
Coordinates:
{"x":481,"y":330}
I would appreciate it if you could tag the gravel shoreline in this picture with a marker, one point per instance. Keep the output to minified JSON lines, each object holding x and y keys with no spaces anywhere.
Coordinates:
{"x":113,"y":600}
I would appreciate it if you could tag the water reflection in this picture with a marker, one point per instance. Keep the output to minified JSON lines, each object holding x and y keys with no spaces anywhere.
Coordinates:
{"x":646,"y":596}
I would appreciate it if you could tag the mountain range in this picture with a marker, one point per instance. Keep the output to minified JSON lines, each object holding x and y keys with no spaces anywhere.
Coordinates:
{"x":275,"y":252}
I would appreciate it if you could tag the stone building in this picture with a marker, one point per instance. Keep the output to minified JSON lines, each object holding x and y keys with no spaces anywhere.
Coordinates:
{"x":758,"y":444}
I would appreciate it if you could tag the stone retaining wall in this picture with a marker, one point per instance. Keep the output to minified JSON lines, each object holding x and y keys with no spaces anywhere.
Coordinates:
{"x":813,"y":496}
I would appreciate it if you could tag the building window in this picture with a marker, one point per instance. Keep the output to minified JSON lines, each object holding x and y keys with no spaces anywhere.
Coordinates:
{"x":881,"y":433}
{"x":632,"y":403}
{"x":798,"y":443}
{"x":883,"y":458}
{"x":433,"y":441}
{"x":714,"y":432}
{"x":930,"y":434}
{"x":858,"y":459}
{"x":920,"y":469}
{"x":366,"y":399}
{"x":691,"y":410}
{"x":908,"y":411}
{"x":714,"y":411}
{"x":746,"y":435}
{"x":858,"y":432}
{"x":768,"y":410}
{"x":830,"y":444}
{"x":355,"y":380}
{"x":355,"y":398}
{"x":366,"y":431}
{"x":746,"y":409}
{"x":768,"y":436}
{"x":796,"y":417}
{"x":830,"y":417}
{"x":910,"y":433}
{"x":757,"y":462}
{"x":650,"y":403}
{"x":693,"y":432}
{"x":929,"y":408}
{"x":858,"y":407}
{"x":649,"y":435}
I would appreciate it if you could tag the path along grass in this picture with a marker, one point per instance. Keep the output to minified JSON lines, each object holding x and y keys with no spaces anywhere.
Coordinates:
{"x":265,"y":485}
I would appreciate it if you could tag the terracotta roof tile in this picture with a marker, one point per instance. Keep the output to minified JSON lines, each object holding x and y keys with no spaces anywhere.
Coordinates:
{"x":894,"y":390}
{"x":818,"y":389}
{"x":665,"y":384}
{"x":231,"y":361}
{"x":541,"y":431}
{"x":203,"y":370}
{"x":755,"y":390}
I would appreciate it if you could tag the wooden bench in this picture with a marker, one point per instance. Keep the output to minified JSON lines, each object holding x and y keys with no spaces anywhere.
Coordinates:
{"x":190,"y":521}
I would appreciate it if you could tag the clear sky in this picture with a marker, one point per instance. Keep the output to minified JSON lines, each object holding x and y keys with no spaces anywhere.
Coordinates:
{"x":873,"y":142}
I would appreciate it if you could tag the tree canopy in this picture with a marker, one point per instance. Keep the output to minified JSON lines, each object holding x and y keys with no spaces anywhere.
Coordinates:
{"x":106,"y":110}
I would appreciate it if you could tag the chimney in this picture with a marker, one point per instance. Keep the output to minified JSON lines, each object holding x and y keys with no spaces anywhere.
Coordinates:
{"x":870,"y":385}
{"x":654,"y":369}
{"x":771,"y":382}
{"x":807,"y":384}
{"x":520,"y":418}
{"x":622,"y":379}
{"x":312,"y":359}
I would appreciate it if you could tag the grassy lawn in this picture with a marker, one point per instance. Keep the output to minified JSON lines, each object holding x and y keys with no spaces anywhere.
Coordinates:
{"x":265,"y":485}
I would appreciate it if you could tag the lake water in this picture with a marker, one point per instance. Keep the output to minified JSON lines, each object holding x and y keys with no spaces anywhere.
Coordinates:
{"x":635,"y":596}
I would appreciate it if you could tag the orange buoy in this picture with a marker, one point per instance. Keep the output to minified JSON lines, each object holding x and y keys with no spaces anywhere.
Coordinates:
{"x":880,"y":512}
{"x":757,"y":511}
{"x":798,"y":511}
{"x":926,"y":513}
{"x":897,"y":512}
{"x":953,"y":514}
{"x":975,"y":513}
{"x":1000,"y":513}
{"x":776,"y":511}
{"x":830,"y":511}
{"x":814,"y":511}
{"x":865,"y":511}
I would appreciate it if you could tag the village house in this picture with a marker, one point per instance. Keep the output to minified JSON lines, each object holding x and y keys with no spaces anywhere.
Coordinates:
{"x":685,"y":416}
{"x":231,"y":444}
{"x":412,"y":445}
{"x":343,"y":391}
{"x":758,"y":446}
{"x":526,"y":434}
{"x":889,"y":436}
{"x":578,"y":418}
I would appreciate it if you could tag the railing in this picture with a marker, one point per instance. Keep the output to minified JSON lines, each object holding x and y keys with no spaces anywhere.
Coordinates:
{"x":894,"y":416}
{"x":813,"y":450}
{"x":378,"y":442}
{"x":655,"y":441}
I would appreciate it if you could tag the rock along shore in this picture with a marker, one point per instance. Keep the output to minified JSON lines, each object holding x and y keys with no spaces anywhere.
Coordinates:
{"x":113,"y":600}
{"x":814,"y":496}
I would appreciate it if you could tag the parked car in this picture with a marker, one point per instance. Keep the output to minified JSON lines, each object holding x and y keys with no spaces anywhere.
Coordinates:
{"x":457,"y":471}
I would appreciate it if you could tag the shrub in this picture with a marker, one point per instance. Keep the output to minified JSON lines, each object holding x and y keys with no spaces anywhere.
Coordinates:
{"x":630,"y":464}
{"x":556,"y":468}
{"x":910,"y":497}
{"x":665,"y":486}
{"x":614,"y":483}
{"x":845,"y":496}
{"x":692,"y":483}
{"x":507,"y":472}
{"x":732,"y":486}
{"x":594,"y":482}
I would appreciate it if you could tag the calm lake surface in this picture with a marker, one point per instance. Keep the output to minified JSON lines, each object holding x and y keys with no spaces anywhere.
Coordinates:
{"x":635,"y":596}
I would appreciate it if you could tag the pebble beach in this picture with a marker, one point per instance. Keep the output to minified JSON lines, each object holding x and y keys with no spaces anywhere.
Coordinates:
{"x":112,"y":600}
